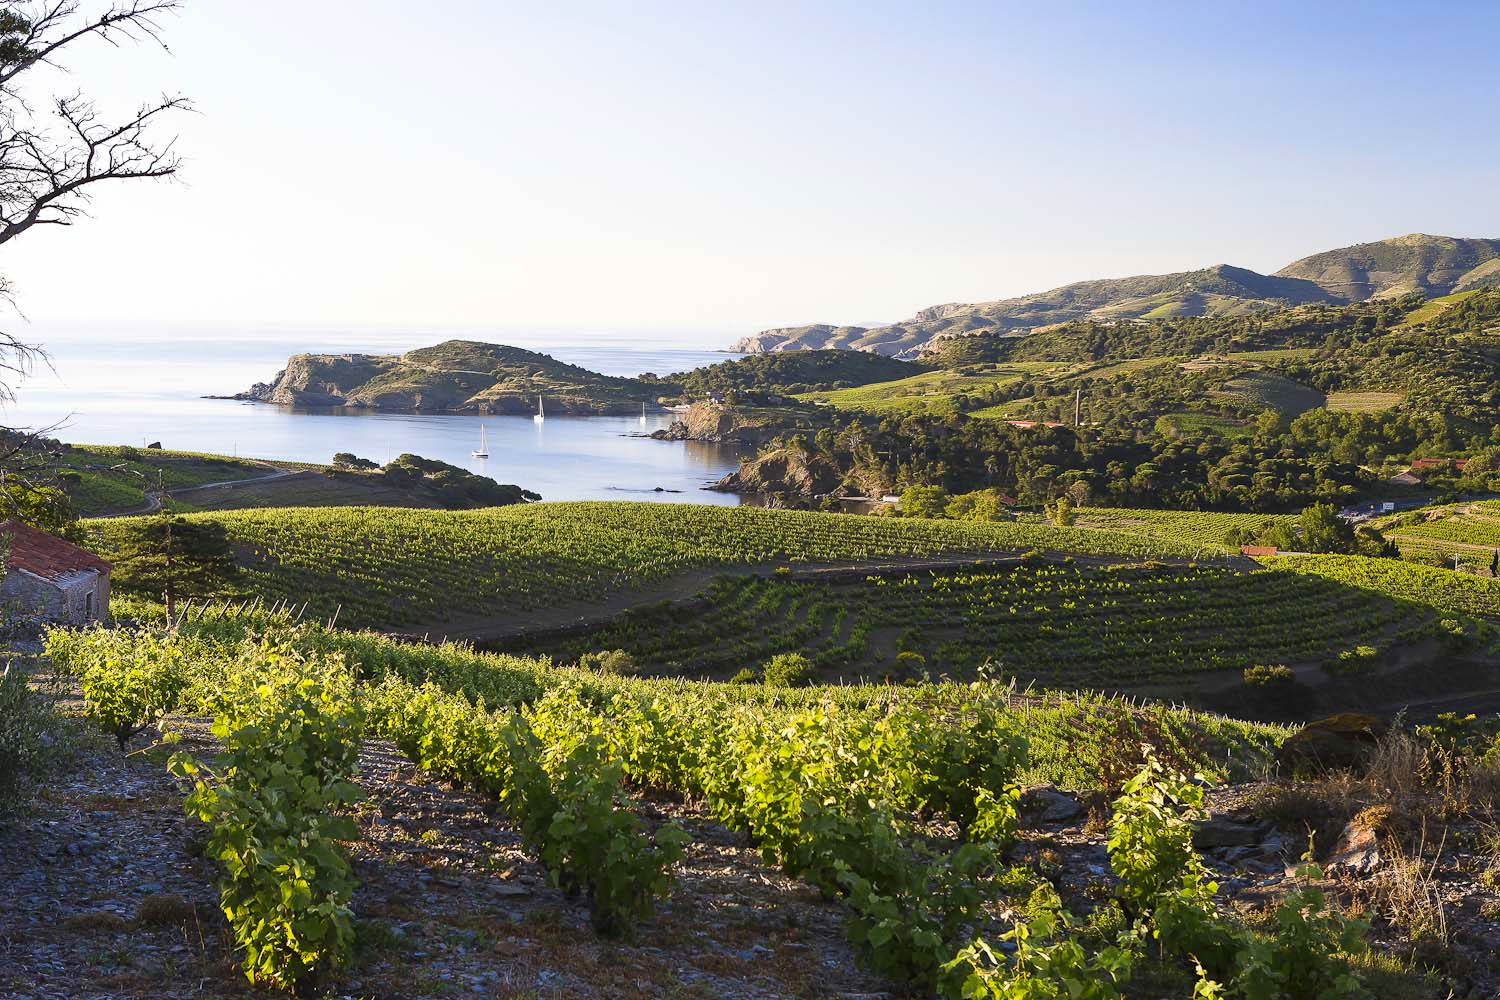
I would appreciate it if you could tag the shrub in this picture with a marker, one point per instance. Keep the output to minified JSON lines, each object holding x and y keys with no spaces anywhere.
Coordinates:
{"x":1262,"y":675}
{"x":910,"y":664}
{"x":24,"y":722}
{"x":129,"y":688}
{"x":291,"y":732}
{"x":1042,"y":960}
{"x":1352,"y":661}
{"x":613,"y":661}
{"x":788,"y":670}
{"x":744,"y":676}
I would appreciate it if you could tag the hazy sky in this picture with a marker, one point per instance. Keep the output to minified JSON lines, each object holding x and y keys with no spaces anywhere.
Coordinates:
{"x":702,"y":170}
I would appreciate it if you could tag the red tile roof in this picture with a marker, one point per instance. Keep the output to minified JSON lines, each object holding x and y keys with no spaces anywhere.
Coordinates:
{"x":47,"y":555}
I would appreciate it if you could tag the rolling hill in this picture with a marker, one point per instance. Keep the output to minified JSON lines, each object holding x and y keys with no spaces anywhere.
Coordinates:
{"x":1431,"y":265}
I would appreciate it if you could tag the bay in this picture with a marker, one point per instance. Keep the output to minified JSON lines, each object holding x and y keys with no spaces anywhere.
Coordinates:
{"x":138,"y":388}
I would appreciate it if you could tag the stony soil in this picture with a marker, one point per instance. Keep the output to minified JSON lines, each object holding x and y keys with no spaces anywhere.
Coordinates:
{"x":104,"y":893}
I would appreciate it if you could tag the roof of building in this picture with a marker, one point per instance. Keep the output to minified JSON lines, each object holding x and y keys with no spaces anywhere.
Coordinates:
{"x":45,"y":555}
{"x":1258,"y":550}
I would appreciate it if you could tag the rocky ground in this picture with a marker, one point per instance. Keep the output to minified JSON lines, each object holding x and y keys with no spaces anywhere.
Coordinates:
{"x":104,"y":892}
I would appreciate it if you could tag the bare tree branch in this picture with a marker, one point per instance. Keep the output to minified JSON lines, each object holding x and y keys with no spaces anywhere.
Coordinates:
{"x":50,"y":161}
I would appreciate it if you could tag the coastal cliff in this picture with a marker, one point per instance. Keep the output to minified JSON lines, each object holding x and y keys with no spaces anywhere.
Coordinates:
{"x":718,"y":422}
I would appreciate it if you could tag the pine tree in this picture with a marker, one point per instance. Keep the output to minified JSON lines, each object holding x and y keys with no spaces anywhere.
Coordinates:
{"x":172,"y":557}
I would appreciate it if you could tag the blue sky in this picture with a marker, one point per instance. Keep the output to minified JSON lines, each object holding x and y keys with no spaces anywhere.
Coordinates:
{"x":704,"y":170}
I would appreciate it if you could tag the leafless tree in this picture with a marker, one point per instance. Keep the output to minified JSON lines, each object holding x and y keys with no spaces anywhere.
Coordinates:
{"x":55,"y":149}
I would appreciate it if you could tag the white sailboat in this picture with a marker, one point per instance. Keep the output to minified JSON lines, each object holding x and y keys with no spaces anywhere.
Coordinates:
{"x":643,"y":414}
{"x":541,"y":411}
{"x":482,"y":451}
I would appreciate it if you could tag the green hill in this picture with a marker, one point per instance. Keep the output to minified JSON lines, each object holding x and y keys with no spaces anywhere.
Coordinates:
{"x":1429,"y":265}
{"x":454,"y":376}
{"x":794,"y":372}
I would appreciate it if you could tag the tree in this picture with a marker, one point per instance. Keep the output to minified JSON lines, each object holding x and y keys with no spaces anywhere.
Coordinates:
{"x":1062,"y":513}
{"x":54,"y":150}
{"x":1495,"y":563}
{"x":924,"y":501}
{"x":172,"y":557}
{"x":1324,"y":531}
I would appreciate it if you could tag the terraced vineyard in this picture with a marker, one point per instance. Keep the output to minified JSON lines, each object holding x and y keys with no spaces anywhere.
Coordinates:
{"x":1469,"y":531}
{"x":1058,"y":624}
{"x":1421,"y":587}
{"x":1198,"y":528}
{"x":382,"y":566}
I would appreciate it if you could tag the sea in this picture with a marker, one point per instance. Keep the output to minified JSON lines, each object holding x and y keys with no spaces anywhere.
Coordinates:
{"x":140,"y":387}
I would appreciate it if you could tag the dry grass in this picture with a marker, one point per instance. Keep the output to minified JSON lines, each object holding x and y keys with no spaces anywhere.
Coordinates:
{"x":1406,"y":890}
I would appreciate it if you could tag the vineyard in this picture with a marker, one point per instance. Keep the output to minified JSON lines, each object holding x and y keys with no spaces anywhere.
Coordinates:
{"x":1469,"y":531}
{"x":1424,"y":587}
{"x":1205,"y":529}
{"x":899,"y":803}
{"x":1054,"y":624}
{"x":384,"y":566}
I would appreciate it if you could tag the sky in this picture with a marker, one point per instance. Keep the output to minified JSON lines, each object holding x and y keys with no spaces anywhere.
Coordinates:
{"x":699,"y":171}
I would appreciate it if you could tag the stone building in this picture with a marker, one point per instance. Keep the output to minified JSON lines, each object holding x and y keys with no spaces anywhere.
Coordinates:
{"x":49,"y":577}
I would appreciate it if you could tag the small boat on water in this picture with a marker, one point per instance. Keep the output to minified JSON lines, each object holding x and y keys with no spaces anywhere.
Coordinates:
{"x":643,"y":414}
{"x":482,"y":451}
{"x":541,"y":411}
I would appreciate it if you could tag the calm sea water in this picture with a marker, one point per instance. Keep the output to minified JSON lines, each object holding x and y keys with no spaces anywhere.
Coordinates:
{"x":134,"y":389}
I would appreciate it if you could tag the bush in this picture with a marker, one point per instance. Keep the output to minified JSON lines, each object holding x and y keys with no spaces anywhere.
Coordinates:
{"x":127,"y":689}
{"x":1263,"y":675}
{"x":788,"y":670}
{"x":613,"y":661}
{"x":910,"y":665}
{"x":744,"y":676}
{"x":291,"y":732}
{"x":1352,"y":661}
{"x":24,"y":722}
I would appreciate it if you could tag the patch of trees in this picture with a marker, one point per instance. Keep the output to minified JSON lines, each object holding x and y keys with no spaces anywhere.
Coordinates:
{"x":452,"y":487}
{"x":1115,"y":465}
{"x":1318,"y":529}
{"x":786,"y":373}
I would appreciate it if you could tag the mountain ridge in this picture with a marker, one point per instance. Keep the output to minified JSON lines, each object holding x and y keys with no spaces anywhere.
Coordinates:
{"x":1415,"y":262}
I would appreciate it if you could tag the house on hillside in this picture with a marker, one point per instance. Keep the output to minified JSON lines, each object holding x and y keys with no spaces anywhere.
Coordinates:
{"x":55,"y":579}
{"x":1405,"y":479}
{"x":1419,"y":465}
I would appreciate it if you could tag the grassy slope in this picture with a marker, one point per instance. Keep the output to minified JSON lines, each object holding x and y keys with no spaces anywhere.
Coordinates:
{"x":307,"y":489}
{"x":928,"y":391}
{"x":1434,"y":308}
{"x":114,"y":478}
{"x":387,"y":566}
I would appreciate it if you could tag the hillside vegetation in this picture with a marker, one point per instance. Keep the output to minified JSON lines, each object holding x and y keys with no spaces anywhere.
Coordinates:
{"x":1429,"y":265}
{"x":1267,"y":412}
{"x":454,"y":376}
{"x":802,"y":371}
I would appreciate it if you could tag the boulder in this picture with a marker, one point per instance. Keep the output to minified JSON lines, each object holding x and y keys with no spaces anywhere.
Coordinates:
{"x":1358,"y":849}
{"x":1337,"y":743}
{"x":1219,"y":831}
{"x":1049,"y":804}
